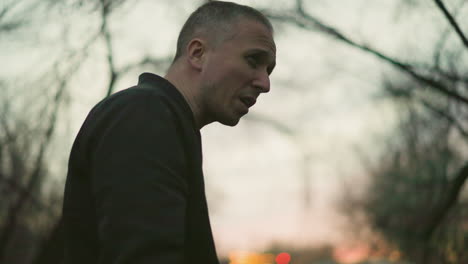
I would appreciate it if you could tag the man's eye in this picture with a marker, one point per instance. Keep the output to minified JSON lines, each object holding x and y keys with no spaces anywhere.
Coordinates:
{"x":252,"y":62}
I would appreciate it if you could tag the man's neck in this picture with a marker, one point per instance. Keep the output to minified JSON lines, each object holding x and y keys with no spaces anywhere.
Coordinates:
{"x":189,"y":90}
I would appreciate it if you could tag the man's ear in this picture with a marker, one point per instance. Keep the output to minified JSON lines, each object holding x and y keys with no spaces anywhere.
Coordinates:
{"x":196,"y":50}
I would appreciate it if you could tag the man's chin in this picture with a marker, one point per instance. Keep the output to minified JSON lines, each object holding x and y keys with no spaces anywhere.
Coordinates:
{"x":231,"y":122}
{"x":232,"y":118}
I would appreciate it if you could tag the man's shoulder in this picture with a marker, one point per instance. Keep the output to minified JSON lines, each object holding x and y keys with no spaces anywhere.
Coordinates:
{"x":155,"y":102}
{"x":151,"y":88}
{"x":134,"y":94}
{"x":135,"y":97}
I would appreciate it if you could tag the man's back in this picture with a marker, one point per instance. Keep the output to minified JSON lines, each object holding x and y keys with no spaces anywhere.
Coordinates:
{"x":134,"y":192}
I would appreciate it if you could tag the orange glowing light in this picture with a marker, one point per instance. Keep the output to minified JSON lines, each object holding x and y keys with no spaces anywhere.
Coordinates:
{"x":351,"y":254}
{"x":244,"y":257}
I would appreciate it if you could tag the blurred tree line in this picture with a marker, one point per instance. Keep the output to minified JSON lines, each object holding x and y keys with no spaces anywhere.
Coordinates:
{"x":33,"y":103}
{"x":416,"y":198}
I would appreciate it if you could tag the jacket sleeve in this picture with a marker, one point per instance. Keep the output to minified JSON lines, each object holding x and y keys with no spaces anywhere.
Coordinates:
{"x":139,"y":185}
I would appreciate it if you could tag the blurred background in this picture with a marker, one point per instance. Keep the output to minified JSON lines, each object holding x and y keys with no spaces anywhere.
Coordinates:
{"x":358,"y":154}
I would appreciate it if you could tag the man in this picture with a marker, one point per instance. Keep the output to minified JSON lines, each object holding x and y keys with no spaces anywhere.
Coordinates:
{"x":135,"y":190}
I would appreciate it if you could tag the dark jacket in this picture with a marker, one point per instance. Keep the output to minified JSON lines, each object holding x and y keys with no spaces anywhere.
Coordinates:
{"x":134,"y":191}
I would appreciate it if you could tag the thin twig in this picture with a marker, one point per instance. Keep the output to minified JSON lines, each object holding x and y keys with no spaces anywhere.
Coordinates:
{"x":452,"y":22}
{"x":444,"y":37}
{"x":409,"y":69}
{"x":445,"y":115}
{"x":105,"y":11}
{"x":147,"y":60}
{"x":441,"y":211}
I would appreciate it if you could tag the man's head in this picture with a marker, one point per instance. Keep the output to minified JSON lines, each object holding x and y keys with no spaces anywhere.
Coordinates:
{"x":214,"y":20}
{"x":228,"y":52}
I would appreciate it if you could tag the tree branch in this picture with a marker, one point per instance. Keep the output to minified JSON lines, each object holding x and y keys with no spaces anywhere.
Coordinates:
{"x":443,"y":39}
{"x":441,"y":211}
{"x":311,"y":22}
{"x":300,"y":6}
{"x":22,"y":190}
{"x":148,"y":60}
{"x":105,"y":10}
{"x":452,"y":22}
{"x":445,"y":115}
{"x":37,"y":171}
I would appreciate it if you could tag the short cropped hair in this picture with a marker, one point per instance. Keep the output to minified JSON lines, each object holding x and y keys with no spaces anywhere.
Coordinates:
{"x":215,"y":20}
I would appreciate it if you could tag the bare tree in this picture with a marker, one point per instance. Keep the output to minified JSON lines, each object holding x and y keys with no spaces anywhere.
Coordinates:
{"x":407,"y":186}
{"x":440,"y":89}
{"x":28,"y":124}
{"x":26,"y":135}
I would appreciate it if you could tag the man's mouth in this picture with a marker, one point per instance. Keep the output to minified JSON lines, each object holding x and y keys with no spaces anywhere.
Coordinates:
{"x":248,"y":101}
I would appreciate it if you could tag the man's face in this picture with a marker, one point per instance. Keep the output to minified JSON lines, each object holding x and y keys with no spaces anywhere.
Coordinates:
{"x":236,"y":72}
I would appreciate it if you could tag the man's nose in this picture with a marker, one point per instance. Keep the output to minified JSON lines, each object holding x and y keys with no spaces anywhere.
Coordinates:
{"x":262,"y":82}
